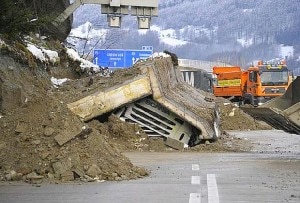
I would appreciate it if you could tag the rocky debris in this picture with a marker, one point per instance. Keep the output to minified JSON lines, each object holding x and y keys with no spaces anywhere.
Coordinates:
{"x":67,"y":134}
{"x":34,"y":178}
{"x":233,"y":118}
{"x":93,"y":171}
{"x":48,"y":132}
{"x":13,"y":176}
{"x":41,"y":140}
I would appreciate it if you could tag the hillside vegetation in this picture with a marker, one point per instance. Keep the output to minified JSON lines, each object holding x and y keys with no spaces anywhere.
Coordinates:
{"x":264,"y":21}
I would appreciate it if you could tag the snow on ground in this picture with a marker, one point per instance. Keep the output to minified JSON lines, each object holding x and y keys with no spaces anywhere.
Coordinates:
{"x":159,"y":54}
{"x":58,"y":82}
{"x":87,"y":31}
{"x":44,"y":55}
{"x":168,"y":36}
{"x":191,"y":32}
{"x":85,"y":64}
{"x":286,"y":51}
{"x":247,"y":10}
{"x":2,"y":42}
{"x":172,"y":42}
{"x":38,"y":53}
{"x":245,"y":42}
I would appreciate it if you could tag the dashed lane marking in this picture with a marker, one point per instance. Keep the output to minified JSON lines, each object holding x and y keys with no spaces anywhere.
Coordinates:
{"x":195,"y":198}
{"x":195,"y":180}
{"x":195,"y":167}
{"x":213,"y":194}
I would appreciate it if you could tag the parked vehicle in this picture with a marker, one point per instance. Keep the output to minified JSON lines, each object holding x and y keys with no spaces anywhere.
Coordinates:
{"x":255,"y":86}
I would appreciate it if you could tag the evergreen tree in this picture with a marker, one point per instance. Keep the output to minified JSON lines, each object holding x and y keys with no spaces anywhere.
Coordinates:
{"x":18,"y":19}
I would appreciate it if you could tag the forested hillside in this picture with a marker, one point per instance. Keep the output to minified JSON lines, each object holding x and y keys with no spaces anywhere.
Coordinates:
{"x":263,"y":21}
{"x":234,"y":31}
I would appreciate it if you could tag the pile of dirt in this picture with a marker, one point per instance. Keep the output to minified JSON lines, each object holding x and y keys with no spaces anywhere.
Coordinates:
{"x":233,"y":118}
{"x":34,"y":114}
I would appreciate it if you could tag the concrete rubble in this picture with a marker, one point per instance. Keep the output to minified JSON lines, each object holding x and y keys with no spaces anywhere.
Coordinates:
{"x":160,"y":80}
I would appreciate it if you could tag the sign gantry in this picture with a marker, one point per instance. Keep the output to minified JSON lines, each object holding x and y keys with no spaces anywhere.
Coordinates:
{"x":115,"y":9}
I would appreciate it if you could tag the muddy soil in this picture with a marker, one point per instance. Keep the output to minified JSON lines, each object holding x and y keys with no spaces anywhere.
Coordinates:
{"x":33,"y":112}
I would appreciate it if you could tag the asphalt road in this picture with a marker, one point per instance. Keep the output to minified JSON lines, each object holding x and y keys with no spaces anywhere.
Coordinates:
{"x":268,"y":173}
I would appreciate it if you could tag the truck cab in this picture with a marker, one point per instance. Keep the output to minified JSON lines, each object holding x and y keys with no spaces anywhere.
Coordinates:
{"x":265,"y":81}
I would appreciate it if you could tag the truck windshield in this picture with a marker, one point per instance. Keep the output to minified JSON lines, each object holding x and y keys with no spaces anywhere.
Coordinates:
{"x":274,"y":77}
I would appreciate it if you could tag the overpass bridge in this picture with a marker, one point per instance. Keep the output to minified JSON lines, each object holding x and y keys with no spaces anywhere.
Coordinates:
{"x":197,"y":64}
{"x":198,"y":74}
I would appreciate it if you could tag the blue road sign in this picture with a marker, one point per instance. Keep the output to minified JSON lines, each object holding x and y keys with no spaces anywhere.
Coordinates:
{"x":118,"y":58}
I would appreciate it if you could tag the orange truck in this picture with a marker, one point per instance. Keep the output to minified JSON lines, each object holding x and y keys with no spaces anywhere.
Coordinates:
{"x":255,"y":86}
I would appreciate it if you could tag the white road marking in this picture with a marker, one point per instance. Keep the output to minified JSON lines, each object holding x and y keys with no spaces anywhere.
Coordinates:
{"x":195,"y":167}
{"x":195,"y":198}
{"x":213,"y":194}
{"x":195,"y":180}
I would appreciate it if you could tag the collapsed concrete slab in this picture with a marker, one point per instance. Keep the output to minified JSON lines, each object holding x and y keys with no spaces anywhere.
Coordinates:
{"x":281,"y":112}
{"x":102,"y":102}
{"x":163,"y":83}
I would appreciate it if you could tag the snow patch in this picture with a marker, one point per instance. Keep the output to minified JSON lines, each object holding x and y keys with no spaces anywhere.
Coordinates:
{"x":155,"y":28}
{"x":245,"y":42}
{"x":52,"y":55}
{"x":159,"y":54}
{"x":58,"y":82}
{"x":84,"y":64}
{"x":286,"y":51}
{"x":172,"y":42}
{"x":168,"y":36}
{"x":87,"y":31}
{"x":2,"y":42}
{"x":42,"y":54}
{"x":38,"y":53}
{"x":46,"y":55}
{"x":247,"y":10}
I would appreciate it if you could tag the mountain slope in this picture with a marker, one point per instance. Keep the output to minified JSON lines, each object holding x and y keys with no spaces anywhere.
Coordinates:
{"x":214,"y":28}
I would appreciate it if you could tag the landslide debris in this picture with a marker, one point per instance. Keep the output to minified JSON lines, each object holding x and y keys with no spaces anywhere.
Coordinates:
{"x":233,"y":118}
{"x":34,"y":113}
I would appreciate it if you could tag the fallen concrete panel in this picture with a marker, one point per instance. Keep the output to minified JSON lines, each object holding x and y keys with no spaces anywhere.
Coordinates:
{"x":293,"y":114}
{"x":281,"y":112}
{"x":174,"y":143}
{"x":160,"y":79}
{"x":157,"y":120}
{"x":190,"y":104}
{"x":102,"y":102}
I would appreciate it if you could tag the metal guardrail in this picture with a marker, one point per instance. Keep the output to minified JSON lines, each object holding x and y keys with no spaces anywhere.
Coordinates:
{"x":205,"y":65}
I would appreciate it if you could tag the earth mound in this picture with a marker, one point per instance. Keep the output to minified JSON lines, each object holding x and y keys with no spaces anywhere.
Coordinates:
{"x":34,"y":114}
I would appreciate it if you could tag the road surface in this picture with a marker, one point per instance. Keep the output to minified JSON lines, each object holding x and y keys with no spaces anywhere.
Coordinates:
{"x":268,"y":173}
